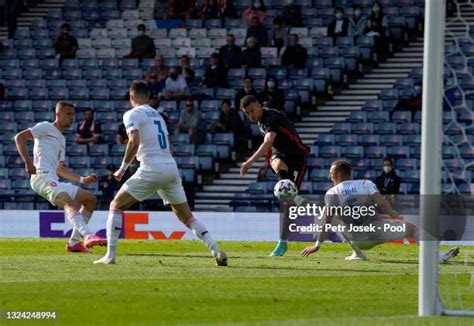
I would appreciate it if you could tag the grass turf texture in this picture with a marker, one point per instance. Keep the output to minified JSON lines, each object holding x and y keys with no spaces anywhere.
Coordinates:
{"x":177,"y":282}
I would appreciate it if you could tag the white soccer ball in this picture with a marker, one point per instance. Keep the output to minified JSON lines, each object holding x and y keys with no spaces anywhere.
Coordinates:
{"x":285,"y":190}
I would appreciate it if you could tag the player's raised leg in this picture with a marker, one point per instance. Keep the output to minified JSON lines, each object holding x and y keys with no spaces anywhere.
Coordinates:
{"x":122,"y":201}
{"x":71,"y":210}
{"x":89,"y":203}
{"x":282,"y":171}
{"x":183,"y":212}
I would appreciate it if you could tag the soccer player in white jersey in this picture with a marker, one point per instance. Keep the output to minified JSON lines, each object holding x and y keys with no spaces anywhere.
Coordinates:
{"x":158,"y":173}
{"x":363,"y":193}
{"x":47,"y":164}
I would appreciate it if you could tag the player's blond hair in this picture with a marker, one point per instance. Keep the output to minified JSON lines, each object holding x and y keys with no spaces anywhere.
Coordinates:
{"x":343,"y":167}
{"x":62,"y":104}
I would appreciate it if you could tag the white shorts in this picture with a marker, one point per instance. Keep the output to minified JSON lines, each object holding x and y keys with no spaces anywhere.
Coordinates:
{"x":49,"y":187}
{"x":165,"y":181}
{"x":369,"y":240}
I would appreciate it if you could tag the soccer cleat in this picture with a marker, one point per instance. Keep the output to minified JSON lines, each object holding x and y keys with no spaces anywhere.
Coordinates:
{"x":94,"y":240}
{"x":78,"y":247}
{"x":105,"y":261}
{"x":221,"y":258}
{"x":280,"y":249}
{"x":355,"y":256}
{"x":445,"y":256}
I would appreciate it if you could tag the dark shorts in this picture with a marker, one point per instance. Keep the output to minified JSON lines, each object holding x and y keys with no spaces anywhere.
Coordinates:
{"x":296,"y":166}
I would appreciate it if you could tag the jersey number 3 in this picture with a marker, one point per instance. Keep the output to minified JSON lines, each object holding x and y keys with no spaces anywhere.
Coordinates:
{"x":161,"y":135}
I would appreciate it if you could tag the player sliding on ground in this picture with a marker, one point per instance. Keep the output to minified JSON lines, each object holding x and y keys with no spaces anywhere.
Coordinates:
{"x":158,"y":173}
{"x":48,"y":163}
{"x":363,"y":193}
{"x":288,"y":156}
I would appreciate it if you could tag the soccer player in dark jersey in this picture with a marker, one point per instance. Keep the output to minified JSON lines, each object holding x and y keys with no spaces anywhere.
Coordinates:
{"x":288,"y":155}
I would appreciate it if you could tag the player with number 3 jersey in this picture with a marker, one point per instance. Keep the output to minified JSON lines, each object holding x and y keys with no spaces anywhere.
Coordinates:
{"x":158,"y":173}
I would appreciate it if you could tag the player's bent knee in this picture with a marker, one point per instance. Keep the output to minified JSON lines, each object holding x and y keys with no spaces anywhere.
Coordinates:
{"x":183,"y":212}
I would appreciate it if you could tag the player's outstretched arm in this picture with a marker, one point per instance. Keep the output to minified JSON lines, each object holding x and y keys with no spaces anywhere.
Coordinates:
{"x":321,"y":238}
{"x":261,"y":151}
{"x":21,"y":142}
{"x":64,"y":172}
{"x":130,"y":152}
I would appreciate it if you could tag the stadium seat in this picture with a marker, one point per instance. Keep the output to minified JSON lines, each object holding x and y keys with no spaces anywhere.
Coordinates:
{"x":330,"y":151}
{"x":353,"y":152}
{"x":391,"y":140}
{"x":357,"y":116}
{"x":375,"y":152}
{"x":346,"y":140}
{"x":99,"y":150}
{"x":369,"y":140}
{"x":341,"y":128}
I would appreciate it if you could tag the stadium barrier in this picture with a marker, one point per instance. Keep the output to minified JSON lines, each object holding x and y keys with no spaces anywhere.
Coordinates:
{"x":224,"y":226}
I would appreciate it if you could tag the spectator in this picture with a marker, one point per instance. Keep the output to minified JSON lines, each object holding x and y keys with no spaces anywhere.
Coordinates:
{"x":377,"y":24}
{"x":216,"y":74}
{"x":292,"y":14}
{"x":251,"y":56}
{"x":107,"y":183}
{"x":257,"y":9}
{"x":160,"y":9}
{"x":230,"y":121}
{"x":2,"y":92}
{"x":225,"y":8}
{"x":12,"y":8}
{"x":175,"y":86}
{"x":388,"y":182}
{"x":295,"y":54}
{"x":272,"y":96}
{"x":181,"y":9}
{"x":122,"y":137}
{"x":413,"y":103}
{"x":89,"y":130}
{"x":278,"y":34}
{"x":65,"y":44}
{"x":247,"y":89}
{"x":189,"y":121}
{"x":155,"y":86}
{"x":207,"y":11}
{"x":155,"y":103}
{"x":159,"y":69}
{"x":230,"y":53}
{"x":258,"y":31}
{"x":186,"y":70}
{"x":143,"y":46}
{"x":358,"y":22}
{"x":339,"y":27}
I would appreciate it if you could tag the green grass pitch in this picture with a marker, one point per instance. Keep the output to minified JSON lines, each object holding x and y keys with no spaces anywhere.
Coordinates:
{"x":177,"y":282}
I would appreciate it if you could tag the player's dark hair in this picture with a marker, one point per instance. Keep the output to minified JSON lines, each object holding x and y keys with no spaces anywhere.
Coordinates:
{"x":226,"y":102}
{"x":139,"y":89}
{"x":247,"y":100}
{"x":388,"y":159}
{"x":89,"y":109}
{"x":248,"y":77}
{"x":343,"y":167}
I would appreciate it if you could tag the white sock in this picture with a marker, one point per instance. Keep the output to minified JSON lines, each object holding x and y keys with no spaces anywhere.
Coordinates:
{"x":201,"y":232}
{"x":114,"y":227}
{"x":77,"y":221}
{"x":76,"y":235}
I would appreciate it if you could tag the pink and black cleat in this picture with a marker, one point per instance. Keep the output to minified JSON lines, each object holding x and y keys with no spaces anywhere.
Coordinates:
{"x":78,"y":247}
{"x":94,"y":240}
